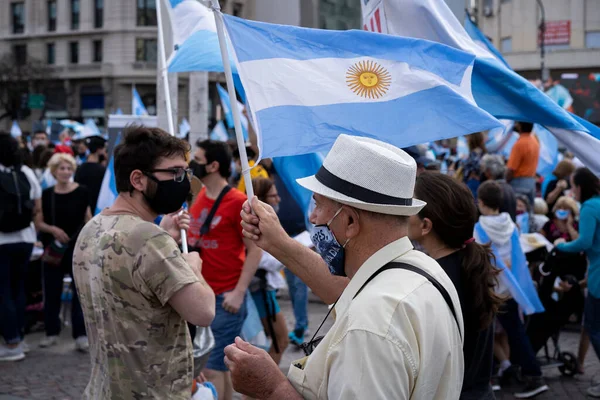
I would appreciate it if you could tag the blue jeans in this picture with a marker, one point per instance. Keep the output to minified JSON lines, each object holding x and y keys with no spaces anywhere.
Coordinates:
{"x":524,"y":186}
{"x":299,"y":296}
{"x":225,"y":327}
{"x":520,"y":347}
{"x":591,"y":321}
{"x":14,"y":260}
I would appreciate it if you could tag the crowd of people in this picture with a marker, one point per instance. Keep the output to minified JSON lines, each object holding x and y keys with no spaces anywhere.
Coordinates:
{"x":452,"y":311}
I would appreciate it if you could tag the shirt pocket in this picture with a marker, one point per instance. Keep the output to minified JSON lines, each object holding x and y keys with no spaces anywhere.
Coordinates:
{"x":298,"y":379}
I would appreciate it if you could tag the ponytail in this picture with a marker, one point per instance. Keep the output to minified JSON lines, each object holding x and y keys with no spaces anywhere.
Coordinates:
{"x":481,"y":277}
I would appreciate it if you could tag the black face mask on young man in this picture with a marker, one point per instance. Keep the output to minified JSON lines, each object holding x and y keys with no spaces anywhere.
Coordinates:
{"x":199,"y":170}
{"x":169,"y":195}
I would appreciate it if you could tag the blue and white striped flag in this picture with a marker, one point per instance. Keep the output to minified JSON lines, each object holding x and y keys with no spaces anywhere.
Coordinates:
{"x":195,"y":37}
{"x":219,"y":132}
{"x":137,"y":106}
{"x":108,"y":191}
{"x":496,"y":88}
{"x":307,"y":86}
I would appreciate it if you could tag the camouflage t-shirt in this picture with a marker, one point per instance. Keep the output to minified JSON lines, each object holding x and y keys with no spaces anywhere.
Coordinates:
{"x":126,"y":270}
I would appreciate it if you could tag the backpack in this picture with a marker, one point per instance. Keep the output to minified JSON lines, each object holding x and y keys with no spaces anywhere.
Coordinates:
{"x":16,"y":205}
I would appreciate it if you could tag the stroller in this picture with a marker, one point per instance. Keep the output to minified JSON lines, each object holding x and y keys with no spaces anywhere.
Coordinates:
{"x":571,"y":268}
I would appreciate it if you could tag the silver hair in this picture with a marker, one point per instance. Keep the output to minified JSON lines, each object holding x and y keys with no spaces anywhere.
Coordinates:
{"x":494,"y":164}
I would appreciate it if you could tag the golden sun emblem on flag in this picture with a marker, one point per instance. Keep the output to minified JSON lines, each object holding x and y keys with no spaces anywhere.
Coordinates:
{"x":368,"y":79}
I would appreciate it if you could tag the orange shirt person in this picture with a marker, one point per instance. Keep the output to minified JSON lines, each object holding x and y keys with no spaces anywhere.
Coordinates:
{"x":523,"y":161}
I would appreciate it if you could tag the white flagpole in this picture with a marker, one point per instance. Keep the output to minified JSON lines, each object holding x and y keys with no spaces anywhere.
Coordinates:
{"x":165,"y":77}
{"x":163,"y":60}
{"x":233,"y":98}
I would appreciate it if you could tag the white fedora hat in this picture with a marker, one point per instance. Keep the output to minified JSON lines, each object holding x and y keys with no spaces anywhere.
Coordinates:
{"x":367,"y":174}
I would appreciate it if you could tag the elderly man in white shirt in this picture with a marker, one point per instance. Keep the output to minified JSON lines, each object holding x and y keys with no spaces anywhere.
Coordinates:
{"x":398,"y":324}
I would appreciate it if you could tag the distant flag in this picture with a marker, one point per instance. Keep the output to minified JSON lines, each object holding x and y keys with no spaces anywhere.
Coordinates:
{"x":15,"y":130}
{"x":72,"y":125}
{"x":219,"y":132}
{"x":195,"y":38}
{"x":462,"y":148}
{"x":496,"y":88}
{"x":306,"y":86}
{"x":119,"y":112}
{"x":108,"y":190}
{"x":184,"y":128}
{"x":137,"y":106}
{"x":227,"y":111}
{"x":91,"y":125}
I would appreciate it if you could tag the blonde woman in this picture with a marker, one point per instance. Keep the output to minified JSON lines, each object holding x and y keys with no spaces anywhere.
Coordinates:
{"x":65,"y":210}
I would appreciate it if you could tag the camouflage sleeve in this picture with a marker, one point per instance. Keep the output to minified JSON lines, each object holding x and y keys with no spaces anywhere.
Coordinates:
{"x":162,"y":268}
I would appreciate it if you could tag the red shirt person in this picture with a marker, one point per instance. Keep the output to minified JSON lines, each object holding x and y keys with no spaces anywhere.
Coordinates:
{"x":229,"y":260}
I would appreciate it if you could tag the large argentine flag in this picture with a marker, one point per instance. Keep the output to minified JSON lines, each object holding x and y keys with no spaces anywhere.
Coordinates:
{"x":195,"y":38}
{"x":307,"y":86}
{"x":496,"y":88}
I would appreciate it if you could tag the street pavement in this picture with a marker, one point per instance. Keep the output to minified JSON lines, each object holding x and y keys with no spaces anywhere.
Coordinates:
{"x":61,"y":373}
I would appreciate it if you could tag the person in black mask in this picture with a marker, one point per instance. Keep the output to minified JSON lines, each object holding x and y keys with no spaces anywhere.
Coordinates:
{"x":91,"y":172}
{"x":136,"y":288}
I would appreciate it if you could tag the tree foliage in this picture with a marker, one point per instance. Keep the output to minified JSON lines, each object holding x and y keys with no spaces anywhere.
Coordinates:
{"x":17,"y":81}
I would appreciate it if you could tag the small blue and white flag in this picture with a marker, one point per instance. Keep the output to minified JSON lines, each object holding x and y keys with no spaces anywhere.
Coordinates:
{"x":195,"y":38}
{"x":119,"y":112}
{"x":228,"y":113}
{"x":15,"y":130}
{"x":137,"y":106}
{"x":496,"y":88}
{"x":462,"y":148}
{"x":219,"y":132}
{"x":307,"y":86}
{"x":75,"y":126}
{"x":91,"y":125}
{"x":108,"y":191}
{"x":184,"y":128}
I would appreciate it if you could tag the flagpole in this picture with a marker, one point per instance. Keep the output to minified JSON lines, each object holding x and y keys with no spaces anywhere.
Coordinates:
{"x":233,"y":99}
{"x":164,"y":71}
{"x":165,"y":77}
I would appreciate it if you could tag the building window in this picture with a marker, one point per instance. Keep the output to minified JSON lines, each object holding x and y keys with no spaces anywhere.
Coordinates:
{"x":506,"y":45}
{"x":98,"y":13}
{"x":52,"y":16}
{"x":50,"y":53}
{"x":97,"y":51}
{"x":145,"y":50}
{"x":592,"y":40}
{"x":146,"y":12}
{"x":74,"y":14}
{"x":74,"y":47}
{"x":17,"y":10}
{"x":20,"y":54}
{"x":237,"y":9}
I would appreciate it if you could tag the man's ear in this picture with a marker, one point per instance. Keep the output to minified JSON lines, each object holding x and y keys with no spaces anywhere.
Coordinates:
{"x":138,"y":180}
{"x":353,"y":227}
{"x":212,"y":167}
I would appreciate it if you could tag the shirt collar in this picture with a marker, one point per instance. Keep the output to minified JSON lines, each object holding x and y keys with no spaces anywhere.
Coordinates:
{"x":382,"y":257}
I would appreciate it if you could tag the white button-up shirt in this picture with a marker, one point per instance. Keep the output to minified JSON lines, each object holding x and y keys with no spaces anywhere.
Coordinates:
{"x":396,"y":340}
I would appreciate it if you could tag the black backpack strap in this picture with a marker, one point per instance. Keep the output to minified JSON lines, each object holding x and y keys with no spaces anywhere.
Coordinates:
{"x":206,"y":226}
{"x":434,"y":282}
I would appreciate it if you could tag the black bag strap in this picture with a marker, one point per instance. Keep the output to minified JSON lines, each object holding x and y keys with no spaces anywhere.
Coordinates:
{"x":206,"y":226}
{"x":395,"y":265}
{"x":53,"y":207}
{"x":426,"y":275}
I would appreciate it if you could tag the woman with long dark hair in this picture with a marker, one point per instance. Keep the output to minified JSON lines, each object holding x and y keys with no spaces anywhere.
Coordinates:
{"x":586,"y":188}
{"x":445,"y":229}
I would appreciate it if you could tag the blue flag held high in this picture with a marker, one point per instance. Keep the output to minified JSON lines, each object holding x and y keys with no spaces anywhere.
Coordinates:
{"x":307,"y":86}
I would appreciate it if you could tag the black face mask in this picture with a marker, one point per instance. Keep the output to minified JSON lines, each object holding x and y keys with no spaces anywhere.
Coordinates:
{"x":199,"y":170}
{"x":169,"y":196}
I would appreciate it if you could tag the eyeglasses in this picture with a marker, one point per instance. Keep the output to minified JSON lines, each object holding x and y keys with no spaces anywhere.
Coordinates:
{"x":179,"y":173}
